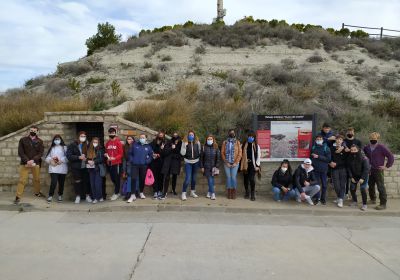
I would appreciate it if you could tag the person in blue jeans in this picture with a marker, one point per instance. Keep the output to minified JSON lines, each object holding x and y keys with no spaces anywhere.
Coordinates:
{"x":95,"y":158}
{"x":209,"y":162}
{"x":321,"y":157}
{"x":282,"y":182}
{"x":231,"y":154}
{"x":190,"y":150}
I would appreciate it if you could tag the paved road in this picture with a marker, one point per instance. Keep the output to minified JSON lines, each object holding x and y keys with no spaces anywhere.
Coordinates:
{"x":196,"y":245}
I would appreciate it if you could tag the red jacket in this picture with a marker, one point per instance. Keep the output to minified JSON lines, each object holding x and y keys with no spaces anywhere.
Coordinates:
{"x":115,"y":149}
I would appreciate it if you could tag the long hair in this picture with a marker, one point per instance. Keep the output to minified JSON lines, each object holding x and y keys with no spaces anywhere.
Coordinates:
{"x":289,"y":166}
{"x":84,"y":145}
{"x":91,"y":153}
{"x":252,"y":134}
{"x":196,"y":139}
{"x":127,"y":146}
{"x":215,"y":144}
{"x":52,"y":143}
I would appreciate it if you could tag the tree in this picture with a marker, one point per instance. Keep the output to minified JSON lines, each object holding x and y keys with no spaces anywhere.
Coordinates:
{"x":105,"y":36}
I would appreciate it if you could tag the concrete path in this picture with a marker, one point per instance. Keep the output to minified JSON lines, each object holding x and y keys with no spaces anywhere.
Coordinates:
{"x":196,"y":245}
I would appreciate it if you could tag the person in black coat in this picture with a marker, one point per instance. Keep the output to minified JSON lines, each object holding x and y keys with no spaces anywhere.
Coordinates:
{"x":282,"y":182}
{"x":209,"y":162}
{"x":338,"y":169}
{"x":76,"y":155}
{"x":172,"y":159}
{"x":158,"y":146}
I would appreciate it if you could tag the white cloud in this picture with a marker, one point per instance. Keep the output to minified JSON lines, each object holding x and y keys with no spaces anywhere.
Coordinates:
{"x":36,"y":35}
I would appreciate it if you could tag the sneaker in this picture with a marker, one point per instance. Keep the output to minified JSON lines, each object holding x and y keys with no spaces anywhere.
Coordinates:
{"x":114,"y":197}
{"x":162,"y":197}
{"x":101,"y":200}
{"x":353,"y":204}
{"x":336,"y":201}
{"x":88,"y":199}
{"x":309,"y":200}
{"x":160,"y":194}
{"x":132,"y":198}
{"x":49,"y":199}
{"x":213,"y":196}
{"x":60,"y":198}
{"x":183,"y":196}
{"x":380,"y":207}
{"x":17,"y":200}
{"x":193,"y":194}
{"x":94,"y":201}
{"x":39,"y":194}
{"x":298,"y":199}
{"x":142,"y":196}
{"x":155,"y":195}
{"x":77,"y":199}
{"x":340,"y":203}
{"x":318,"y":202}
{"x":208,"y":195}
{"x":364,"y":207}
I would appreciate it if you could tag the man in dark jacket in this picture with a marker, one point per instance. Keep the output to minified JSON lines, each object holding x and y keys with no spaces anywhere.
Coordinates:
{"x":377,"y":154}
{"x":30,"y":150}
{"x":327,"y":134}
{"x":358,"y":169}
{"x":305,"y":182}
{"x":338,"y":169}
{"x":349,"y":141}
{"x":321,"y":157}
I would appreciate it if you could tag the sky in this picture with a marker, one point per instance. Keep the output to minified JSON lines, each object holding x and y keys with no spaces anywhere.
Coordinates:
{"x":36,"y":35}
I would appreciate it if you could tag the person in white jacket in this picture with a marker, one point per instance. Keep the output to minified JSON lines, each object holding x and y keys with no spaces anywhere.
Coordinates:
{"x":58,"y":168}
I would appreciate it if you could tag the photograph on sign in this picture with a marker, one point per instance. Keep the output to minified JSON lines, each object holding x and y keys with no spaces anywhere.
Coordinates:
{"x":284,"y":137}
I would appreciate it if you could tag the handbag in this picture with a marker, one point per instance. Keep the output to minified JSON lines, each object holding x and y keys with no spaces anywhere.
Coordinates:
{"x":102,"y":170}
{"x":215,"y":171}
{"x":149,"y":181}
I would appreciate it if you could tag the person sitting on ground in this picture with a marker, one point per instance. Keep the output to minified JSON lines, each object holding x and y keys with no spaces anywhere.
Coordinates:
{"x":282,"y":182}
{"x":305,"y":182}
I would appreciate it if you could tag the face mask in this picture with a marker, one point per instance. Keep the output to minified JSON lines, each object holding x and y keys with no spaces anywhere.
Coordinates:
{"x":319,"y":142}
{"x":373,"y":142}
{"x":142,"y":141}
{"x":353,"y":154}
{"x":250,"y":139}
{"x":82,"y":139}
{"x":190,"y":138}
{"x":95,"y":145}
{"x":232,"y":135}
{"x":57,"y":141}
{"x":210,"y":142}
{"x":349,"y":135}
{"x":32,"y":133}
{"x":284,"y":169}
{"x":112,"y":136}
{"x":175,"y":136}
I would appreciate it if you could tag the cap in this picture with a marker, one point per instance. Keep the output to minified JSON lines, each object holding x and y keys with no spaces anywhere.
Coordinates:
{"x":307,"y":161}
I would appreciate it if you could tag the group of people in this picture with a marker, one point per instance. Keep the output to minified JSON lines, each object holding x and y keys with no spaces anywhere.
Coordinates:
{"x":130,"y":164}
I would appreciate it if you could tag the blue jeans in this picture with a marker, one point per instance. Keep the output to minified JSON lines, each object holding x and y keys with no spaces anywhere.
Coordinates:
{"x":278,"y":194}
{"x":96,"y":183}
{"x":190,"y":175}
{"x":322,"y":178}
{"x":231,"y":174}
{"x":210,"y":180}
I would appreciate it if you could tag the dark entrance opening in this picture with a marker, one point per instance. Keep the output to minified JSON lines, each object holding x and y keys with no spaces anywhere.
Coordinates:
{"x":92,"y":129}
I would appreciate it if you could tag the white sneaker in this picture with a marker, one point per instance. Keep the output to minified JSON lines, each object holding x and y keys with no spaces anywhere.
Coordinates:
{"x":298,"y":199}
{"x":155,"y":195}
{"x":309,"y":200}
{"x":49,"y":199}
{"x":208,"y":195}
{"x":364,"y":207}
{"x":193,"y":194}
{"x":340,"y":203}
{"x":88,"y":199}
{"x":183,"y":196}
{"x":142,"y":196}
{"x":132,"y":198}
{"x":77,"y":199}
{"x":94,"y":201}
{"x":213,"y":196}
{"x":114,"y":197}
{"x":60,"y":198}
{"x":101,"y":200}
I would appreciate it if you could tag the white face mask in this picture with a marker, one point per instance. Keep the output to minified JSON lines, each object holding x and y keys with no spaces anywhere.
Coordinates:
{"x":142,"y":141}
{"x":319,"y":142}
{"x":95,"y":145}
{"x":284,"y":169}
{"x":210,"y":142}
{"x":82,"y":139}
{"x":57,"y":141}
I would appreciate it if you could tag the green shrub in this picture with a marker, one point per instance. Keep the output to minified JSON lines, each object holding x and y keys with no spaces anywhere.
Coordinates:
{"x":166,"y":58}
{"x":359,"y":34}
{"x":147,"y":65}
{"x":73,"y":68}
{"x":389,"y":107}
{"x":200,"y":49}
{"x":316,"y":58}
{"x":220,"y":74}
{"x":94,"y":80}
{"x":74,"y":85}
{"x":105,"y":36}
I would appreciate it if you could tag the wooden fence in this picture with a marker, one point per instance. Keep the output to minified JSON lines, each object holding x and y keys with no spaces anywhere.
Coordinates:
{"x":381,"y":31}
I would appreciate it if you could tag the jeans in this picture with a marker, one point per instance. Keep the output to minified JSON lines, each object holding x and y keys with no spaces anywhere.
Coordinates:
{"x":57,"y":178}
{"x":210,"y":181}
{"x":339,"y":179}
{"x":311,"y":190}
{"x":277,"y":194}
{"x":114,"y":171}
{"x":231,"y":174}
{"x":95,"y":183}
{"x":377,"y":177}
{"x":190,"y":175}
{"x":363,"y":188}
{"x":322,"y":178}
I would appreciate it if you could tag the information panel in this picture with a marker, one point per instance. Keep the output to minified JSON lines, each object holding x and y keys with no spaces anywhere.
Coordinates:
{"x":284,"y":136}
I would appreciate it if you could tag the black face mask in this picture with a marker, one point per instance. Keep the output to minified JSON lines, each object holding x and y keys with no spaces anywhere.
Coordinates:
{"x":32,"y":133}
{"x":373,"y":142}
{"x":232,"y":135}
{"x":112,"y":136}
{"x":350,"y":135}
